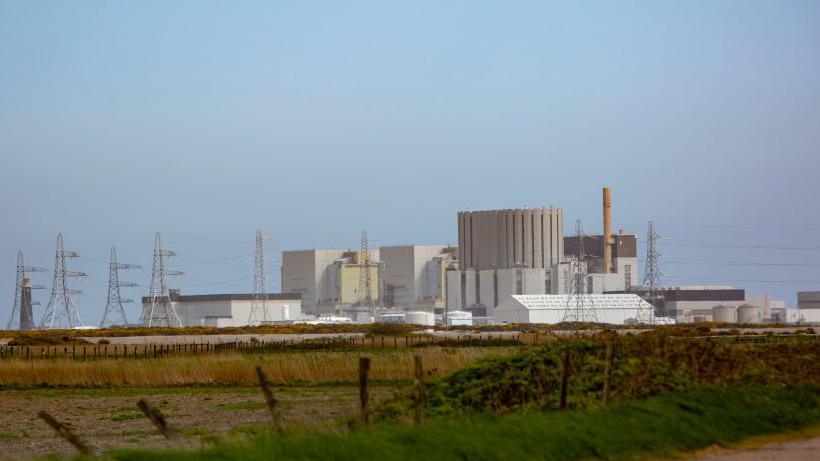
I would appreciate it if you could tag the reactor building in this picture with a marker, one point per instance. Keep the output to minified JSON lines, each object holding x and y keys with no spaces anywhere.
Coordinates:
{"x":409,"y":277}
{"x":505,"y":253}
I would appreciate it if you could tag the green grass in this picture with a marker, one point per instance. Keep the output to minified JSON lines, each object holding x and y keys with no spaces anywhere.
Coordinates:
{"x":662,"y":426}
{"x":249,"y":405}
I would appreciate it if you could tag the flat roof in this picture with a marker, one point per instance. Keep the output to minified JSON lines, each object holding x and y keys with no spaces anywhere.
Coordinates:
{"x":229,"y":297}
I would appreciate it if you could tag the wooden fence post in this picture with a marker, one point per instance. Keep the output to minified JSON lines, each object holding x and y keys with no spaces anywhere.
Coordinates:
{"x":65,"y":433}
{"x":364,"y":371}
{"x":278,"y":421}
{"x":418,"y":401}
{"x":564,"y":380}
{"x":157,"y":419}
{"x":607,"y":371}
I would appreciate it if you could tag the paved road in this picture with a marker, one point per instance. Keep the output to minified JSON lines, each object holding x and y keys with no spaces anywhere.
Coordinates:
{"x":795,"y":450}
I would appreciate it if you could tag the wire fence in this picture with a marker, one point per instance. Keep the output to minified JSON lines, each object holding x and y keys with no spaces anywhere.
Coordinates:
{"x":86,"y":352}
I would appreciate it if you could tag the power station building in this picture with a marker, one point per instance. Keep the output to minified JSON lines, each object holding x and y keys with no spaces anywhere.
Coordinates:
{"x":328,"y":280}
{"x":230,"y":310}
{"x":414,"y":275}
{"x":808,"y":306}
{"x":404,"y":276}
{"x":503,"y":253}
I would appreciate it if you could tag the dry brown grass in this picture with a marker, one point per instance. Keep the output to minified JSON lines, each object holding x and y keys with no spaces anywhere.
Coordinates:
{"x":234,"y":369}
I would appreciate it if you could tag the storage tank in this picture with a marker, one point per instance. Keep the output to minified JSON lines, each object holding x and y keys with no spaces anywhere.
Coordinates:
{"x":749,"y":314}
{"x":460,"y":318}
{"x":393,"y":317}
{"x":725,"y":314}
{"x":420,"y":318}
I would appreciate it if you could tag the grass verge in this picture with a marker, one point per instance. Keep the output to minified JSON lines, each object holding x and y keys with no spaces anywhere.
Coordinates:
{"x":662,"y":426}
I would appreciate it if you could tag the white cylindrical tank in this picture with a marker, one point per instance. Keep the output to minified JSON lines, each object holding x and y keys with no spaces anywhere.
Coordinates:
{"x":393,"y":317}
{"x":725,"y":314}
{"x":420,"y":318}
{"x":459,"y":318}
{"x":749,"y":314}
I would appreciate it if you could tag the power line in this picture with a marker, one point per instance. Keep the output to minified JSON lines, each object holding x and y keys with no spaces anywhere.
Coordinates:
{"x":728,"y":245}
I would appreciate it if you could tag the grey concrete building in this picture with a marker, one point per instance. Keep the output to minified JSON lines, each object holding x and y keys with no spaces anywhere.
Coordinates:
{"x":327,"y":279}
{"x":414,"y":275}
{"x":503,"y":253}
{"x":503,"y":239}
{"x":694,"y":303}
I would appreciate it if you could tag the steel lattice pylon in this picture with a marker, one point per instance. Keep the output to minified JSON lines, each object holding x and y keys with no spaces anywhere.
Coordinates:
{"x":22,"y":304}
{"x":580,"y":307}
{"x":365,"y":281}
{"x":160,"y":310}
{"x":259,"y":304}
{"x":114,"y":304}
{"x":61,"y":311}
{"x":652,"y":275}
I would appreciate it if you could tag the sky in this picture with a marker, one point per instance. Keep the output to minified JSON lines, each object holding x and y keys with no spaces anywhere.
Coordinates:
{"x":313,"y":121}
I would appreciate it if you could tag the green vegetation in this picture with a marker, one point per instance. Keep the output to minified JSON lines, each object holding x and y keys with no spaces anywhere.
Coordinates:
{"x":247,"y":405}
{"x":661,"y":426}
{"x":642,"y":366}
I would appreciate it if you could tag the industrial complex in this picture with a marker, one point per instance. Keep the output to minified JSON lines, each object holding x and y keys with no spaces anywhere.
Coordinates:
{"x":509,"y":266}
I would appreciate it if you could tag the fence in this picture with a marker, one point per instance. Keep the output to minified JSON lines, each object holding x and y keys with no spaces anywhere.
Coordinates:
{"x":85,"y":352}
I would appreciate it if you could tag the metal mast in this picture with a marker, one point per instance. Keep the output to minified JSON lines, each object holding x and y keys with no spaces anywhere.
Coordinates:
{"x":161,"y":311}
{"x":61,"y":311}
{"x":113,"y":307}
{"x":259,"y":305}
{"x":365,"y":282}
{"x":652,"y":274}
{"x":580,"y":307}
{"x":22,"y":303}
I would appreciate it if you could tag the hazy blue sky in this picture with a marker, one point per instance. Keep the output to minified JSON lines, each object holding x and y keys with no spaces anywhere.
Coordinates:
{"x":315,"y":120}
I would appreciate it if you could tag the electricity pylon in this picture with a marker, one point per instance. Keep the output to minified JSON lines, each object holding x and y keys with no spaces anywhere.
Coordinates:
{"x":580,"y":307}
{"x":161,"y":310}
{"x":61,"y":311}
{"x":113,"y":307}
{"x":365,"y":280}
{"x":651,"y":286}
{"x":259,"y":304}
{"x":22,"y":299}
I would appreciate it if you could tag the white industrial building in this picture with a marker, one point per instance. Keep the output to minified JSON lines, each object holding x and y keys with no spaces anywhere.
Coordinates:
{"x":609,"y":308}
{"x":230,"y":310}
{"x":808,"y":306}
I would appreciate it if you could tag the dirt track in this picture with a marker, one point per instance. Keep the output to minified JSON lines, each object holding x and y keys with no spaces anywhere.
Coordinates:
{"x":795,"y":450}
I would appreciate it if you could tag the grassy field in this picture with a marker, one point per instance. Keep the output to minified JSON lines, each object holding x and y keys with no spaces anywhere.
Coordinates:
{"x":214,"y":401}
{"x":109,"y":418}
{"x":663,"y":426}
{"x":233,"y":369}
